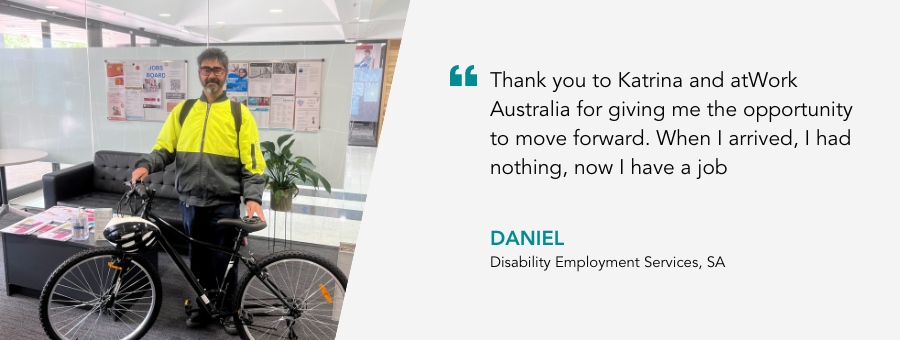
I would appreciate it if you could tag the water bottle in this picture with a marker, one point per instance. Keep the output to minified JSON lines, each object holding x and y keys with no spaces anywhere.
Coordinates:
{"x":79,"y":231}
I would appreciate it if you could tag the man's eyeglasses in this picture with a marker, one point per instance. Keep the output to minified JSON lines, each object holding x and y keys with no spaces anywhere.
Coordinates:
{"x":206,"y":70}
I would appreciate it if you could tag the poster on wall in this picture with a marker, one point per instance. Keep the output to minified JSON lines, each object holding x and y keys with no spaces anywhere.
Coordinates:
{"x":259,"y":108}
{"x":281,"y":112}
{"x":236,"y":83}
{"x":133,"y":75}
{"x":260,"y":83}
{"x":237,"y":78}
{"x":115,"y":91}
{"x":144,"y":90}
{"x":306,"y":116}
{"x":151,"y":94}
{"x":116,"y":99}
{"x":283,"y":78}
{"x":367,"y":56}
{"x":309,"y":79}
{"x":308,"y":95}
{"x":134,"y":104}
{"x":277,"y":92}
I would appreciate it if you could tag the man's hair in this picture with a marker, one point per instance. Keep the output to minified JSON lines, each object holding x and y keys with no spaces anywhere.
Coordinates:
{"x":213,"y":53}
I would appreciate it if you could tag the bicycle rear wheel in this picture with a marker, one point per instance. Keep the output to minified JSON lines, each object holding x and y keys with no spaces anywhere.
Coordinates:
{"x":312,"y":288}
{"x":86,"y":298}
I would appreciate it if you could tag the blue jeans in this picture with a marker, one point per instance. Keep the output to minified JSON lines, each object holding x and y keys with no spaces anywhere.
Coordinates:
{"x":209,"y":265}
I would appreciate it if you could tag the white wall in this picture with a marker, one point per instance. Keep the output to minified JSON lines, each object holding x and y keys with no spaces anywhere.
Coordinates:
{"x":44,"y":101}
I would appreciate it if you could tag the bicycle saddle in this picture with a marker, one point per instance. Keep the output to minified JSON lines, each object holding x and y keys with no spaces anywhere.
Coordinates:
{"x":247,"y":224}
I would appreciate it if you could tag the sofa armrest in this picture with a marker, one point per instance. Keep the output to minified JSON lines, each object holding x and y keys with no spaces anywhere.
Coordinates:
{"x":66,"y":183}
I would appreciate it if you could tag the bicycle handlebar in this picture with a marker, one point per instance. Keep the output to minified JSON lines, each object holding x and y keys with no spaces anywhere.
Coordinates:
{"x":138,"y":188}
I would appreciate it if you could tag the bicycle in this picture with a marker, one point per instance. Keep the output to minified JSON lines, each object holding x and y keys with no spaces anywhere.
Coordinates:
{"x":114,"y":293}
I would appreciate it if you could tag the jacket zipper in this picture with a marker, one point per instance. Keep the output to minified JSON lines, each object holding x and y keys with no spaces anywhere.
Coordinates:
{"x":202,"y":142}
{"x":252,"y":154}
{"x":205,"y":121}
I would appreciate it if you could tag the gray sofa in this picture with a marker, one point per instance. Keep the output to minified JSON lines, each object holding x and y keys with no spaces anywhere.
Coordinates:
{"x":101,"y":183}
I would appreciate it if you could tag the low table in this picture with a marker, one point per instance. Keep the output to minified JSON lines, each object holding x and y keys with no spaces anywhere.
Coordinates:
{"x":29,"y":260}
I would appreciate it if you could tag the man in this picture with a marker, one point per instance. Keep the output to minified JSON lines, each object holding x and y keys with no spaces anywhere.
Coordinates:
{"x":213,"y":172}
{"x":366,"y":62}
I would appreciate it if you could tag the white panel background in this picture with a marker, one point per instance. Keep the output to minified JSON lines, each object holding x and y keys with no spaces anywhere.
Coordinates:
{"x":808,"y":234}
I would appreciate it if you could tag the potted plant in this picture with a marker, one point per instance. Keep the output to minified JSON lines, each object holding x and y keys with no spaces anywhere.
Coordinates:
{"x":284,"y":172}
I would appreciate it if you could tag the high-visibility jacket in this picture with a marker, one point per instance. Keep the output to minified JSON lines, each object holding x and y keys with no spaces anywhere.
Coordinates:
{"x":210,"y":167}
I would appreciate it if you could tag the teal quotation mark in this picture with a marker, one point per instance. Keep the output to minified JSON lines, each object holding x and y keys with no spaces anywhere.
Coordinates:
{"x":456,"y":79}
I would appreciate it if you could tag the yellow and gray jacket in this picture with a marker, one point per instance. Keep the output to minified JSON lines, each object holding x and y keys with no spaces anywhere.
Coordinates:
{"x":210,"y":168}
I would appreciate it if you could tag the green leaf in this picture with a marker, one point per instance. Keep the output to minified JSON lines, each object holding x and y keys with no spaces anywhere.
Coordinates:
{"x":326,"y":184}
{"x":268,"y":146}
{"x":303,"y":161}
{"x":287,"y":147}
{"x":321,"y":178}
{"x":283,"y":138}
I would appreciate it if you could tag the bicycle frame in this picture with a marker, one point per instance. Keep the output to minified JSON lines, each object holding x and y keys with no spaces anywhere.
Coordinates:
{"x":249,"y":262}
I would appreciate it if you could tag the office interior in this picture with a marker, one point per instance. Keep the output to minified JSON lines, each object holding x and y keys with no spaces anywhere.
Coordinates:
{"x":53,"y":88}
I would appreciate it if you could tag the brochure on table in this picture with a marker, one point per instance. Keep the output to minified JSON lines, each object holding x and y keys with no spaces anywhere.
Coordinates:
{"x":55,"y":223}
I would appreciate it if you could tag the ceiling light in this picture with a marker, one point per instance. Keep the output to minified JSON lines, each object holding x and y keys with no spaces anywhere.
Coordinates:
{"x":41,"y":20}
{"x":364,"y":20}
{"x":220,"y":22}
{"x":350,"y":40}
{"x":275,"y":10}
{"x":165,"y":15}
{"x":51,"y":7}
{"x":185,"y":30}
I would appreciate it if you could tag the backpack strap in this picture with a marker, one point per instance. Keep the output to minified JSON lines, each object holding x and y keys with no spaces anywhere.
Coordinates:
{"x":185,"y":109}
{"x":236,"y":112}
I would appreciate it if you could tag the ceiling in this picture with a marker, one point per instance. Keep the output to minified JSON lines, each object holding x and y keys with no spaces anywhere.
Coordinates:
{"x":233,"y":21}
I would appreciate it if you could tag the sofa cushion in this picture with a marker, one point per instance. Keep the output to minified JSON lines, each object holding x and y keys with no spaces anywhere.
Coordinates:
{"x":113,"y":168}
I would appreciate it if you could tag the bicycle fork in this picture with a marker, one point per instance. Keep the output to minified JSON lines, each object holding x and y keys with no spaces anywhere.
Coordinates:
{"x":121,"y":266}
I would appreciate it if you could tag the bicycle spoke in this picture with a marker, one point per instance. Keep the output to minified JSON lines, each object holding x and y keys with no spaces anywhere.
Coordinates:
{"x":83,"y":288}
{"x":79,"y":287}
{"x":125,"y":313}
{"x":70,"y":320}
{"x":86,"y":281}
{"x":310,"y":331}
{"x":90,"y":333}
{"x":295,"y":301}
{"x":81,"y":321}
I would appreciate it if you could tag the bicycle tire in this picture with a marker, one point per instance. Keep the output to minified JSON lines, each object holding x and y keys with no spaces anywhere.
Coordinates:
{"x":68,"y":288}
{"x":314,"y":285}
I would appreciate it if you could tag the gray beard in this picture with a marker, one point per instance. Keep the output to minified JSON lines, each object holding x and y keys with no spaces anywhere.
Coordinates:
{"x":211,"y":88}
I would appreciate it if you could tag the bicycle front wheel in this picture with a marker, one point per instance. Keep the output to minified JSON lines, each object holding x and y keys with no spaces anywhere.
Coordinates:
{"x":298,"y":297}
{"x":90,"y":297}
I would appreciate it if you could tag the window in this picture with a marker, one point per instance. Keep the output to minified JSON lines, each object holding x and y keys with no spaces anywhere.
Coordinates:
{"x":143,"y":42}
{"x":116,"y":39}
{"x":20,"y":33}
{"x":62,"y":36}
